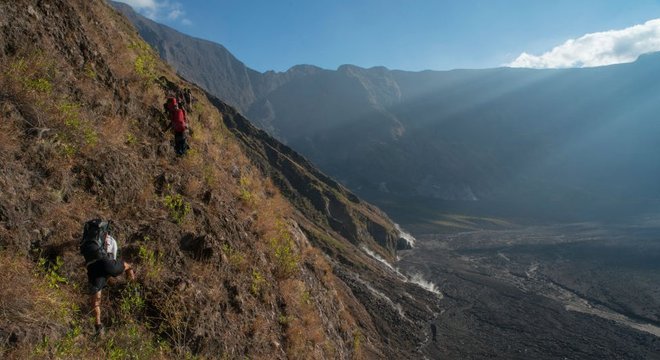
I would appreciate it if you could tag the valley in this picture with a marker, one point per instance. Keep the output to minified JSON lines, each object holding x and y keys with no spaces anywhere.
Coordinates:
{"x":584,"y":290}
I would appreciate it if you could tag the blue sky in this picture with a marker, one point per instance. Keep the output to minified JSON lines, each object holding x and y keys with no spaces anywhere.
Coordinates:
{"x":416,"y":34}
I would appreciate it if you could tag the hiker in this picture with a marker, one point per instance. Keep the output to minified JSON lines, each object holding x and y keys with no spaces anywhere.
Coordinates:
{"x":179,"y":124}
{"x":434,"y":332}
{"x":181,"y":98}
{"x":100,"y":252}
{"x":187,"y":97}
{"x":169,"y":104}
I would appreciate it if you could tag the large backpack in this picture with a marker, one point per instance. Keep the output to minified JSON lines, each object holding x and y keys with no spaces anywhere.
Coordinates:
{"x":92,"y":244}
{"x":178,"y":118}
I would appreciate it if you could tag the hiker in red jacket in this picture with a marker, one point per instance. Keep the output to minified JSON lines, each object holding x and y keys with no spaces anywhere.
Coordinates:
{"x":179,"y":124}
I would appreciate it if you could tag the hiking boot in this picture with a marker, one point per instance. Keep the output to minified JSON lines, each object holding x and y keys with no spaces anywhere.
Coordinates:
{"x":100,"y":329}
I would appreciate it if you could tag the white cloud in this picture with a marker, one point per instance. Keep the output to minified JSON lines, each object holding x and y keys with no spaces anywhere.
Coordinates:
{"x":174,"y":14}
{"x":160,"y":10}
{"x":598,"y":49}
{"x":141,"y":3}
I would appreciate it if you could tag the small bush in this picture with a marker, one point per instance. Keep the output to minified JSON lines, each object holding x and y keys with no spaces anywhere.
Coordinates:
{"x":133,"y":342}
{"x":89,"y":71}
{"x":40,"y":85}
{"x":151,"y":260}
{"x":71,"y":114}
{"x":235,"y":258}
{"x":245,"y":193}
{"x":50,"y":271}
{"x":75,"y":128}
{"x":258,"y":282}
{"x":131,"y":302}
{"x":177,"y":207}
{"x":145,"y":63}
{"x":283,"y":250}
{"x":357,"y":342}
{"x":131,"y":139}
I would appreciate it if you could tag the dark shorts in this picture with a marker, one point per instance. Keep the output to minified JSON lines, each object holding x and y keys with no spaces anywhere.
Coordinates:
{"x":99,"y":272}
{"x":180,"y":143}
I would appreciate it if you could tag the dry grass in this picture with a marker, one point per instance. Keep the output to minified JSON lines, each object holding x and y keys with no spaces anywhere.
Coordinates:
{"x":210,"y":306}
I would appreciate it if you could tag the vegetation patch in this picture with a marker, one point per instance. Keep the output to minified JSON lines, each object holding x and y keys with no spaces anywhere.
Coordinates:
{"x":284,"y":253}
{"x":177,"y":207}
{"x":51,"y":272}
{"x":151,"y":260}
{"x":258,"y":283}
{"x":146,"y":60}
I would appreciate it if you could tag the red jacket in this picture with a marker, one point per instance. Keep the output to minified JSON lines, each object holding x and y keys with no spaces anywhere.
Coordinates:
{"x":178,"y":118}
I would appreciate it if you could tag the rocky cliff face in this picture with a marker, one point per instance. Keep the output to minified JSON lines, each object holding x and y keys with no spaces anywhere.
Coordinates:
{"x":242,"y":248}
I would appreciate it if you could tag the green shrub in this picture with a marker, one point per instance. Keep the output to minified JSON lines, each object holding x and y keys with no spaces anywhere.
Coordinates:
{"x":76,"y":127}
{"x":245,"y":194}
{"x":306,"y":297}
{"x":68,"y":150}
{"x":235,"y":258}
{"x":283,"y":248}
{"x":150,"y":259}
{"x":145,"y":63}
{"x":258,"y":282}
{"x":89,"y":71}
{"x":177,"y":207}
{"x":132,"y":342}
{"x":132,"y":301}
{"x":131,"y":139}
{"x":66,"y":347}
{"x":283,"y":320}
{"x":357,"y":341}
{"x":71,"y":113}
{"x":50,"y":271}
{"x":41,"y":85}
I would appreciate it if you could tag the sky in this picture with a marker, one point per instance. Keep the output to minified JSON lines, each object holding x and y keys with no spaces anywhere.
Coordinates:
{"x":418,"y":34}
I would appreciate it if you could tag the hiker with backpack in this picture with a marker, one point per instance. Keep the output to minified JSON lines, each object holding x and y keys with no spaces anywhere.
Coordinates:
{"x":187,"y":96}
{"x":168,"y":106}
{"x":179,"y":125}
{"x":99,"y":249}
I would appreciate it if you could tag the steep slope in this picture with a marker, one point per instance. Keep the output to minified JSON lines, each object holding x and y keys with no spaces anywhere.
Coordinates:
{"x":475,"y":141}
{"x":227,"y":266}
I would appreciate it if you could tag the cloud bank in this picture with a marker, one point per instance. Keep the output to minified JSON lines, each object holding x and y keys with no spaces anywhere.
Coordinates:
{"x":597,"y":49}
{"x":159,"y":10}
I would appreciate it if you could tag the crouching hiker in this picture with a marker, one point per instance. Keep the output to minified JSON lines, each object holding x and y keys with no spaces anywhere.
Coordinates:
{"x":100,"y":252}
{"x":179,"y":124}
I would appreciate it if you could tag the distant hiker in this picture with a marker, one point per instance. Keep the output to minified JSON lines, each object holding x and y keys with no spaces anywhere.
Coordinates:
{"x":434,"y":332}
{"x":179,"y":124}
{"x":100,"y":252}
{"x":169,"y":105}
{"x":187,"y":97}
{"x":180,"y":97}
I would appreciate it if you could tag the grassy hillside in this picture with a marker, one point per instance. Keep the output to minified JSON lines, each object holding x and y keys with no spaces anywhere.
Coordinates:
{"x":227,"y":266}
